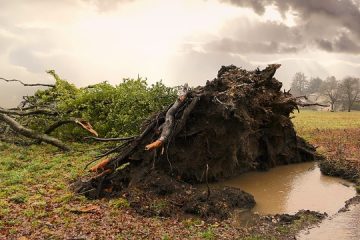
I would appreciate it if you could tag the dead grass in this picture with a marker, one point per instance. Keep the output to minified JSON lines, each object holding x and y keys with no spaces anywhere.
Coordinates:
{"x":336,"y":134}
{"x":331,"y":132}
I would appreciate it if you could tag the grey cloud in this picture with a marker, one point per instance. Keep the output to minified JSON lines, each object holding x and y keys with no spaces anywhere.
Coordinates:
{"x":345,"y":44}
{"x":27,"y":59}
{"x":106,"y":5}
{"x":243,"y":47}
{"x":324,"y":44}
{"x":342,"y":43}
{"x":319,"y":22}
{"x":196,"y":67}
{"x":346,"y":12}
{"x":11,"y":94}
{"x":5,"y":43}
{"x":257,"y":5}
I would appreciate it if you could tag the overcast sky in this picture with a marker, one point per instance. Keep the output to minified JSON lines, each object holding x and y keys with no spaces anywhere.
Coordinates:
{"x":178,"y":41}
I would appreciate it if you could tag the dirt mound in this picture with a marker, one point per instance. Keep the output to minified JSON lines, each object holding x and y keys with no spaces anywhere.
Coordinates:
{"x":219,"y":204}
{"x":236,"y":122}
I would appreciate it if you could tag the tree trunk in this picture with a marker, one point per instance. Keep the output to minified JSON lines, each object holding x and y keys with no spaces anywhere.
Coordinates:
{"x":17,"y":127}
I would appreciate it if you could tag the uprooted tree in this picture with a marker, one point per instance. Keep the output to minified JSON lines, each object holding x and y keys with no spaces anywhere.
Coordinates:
{"x":236,"y":122}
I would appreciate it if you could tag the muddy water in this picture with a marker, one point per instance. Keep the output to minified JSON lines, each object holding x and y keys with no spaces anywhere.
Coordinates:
{"x":287,"y":189}
{"x":344,"y":226}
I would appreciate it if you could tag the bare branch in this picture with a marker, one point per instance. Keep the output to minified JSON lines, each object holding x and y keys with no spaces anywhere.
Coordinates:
{"x":17,"y":127}
{"x":312,"y":104}
{"x":111,"y":139}
{"x":84,"y":124}
{"x":28,"y":84}
{"x":27,"y":112}
{"x":170,"y":120}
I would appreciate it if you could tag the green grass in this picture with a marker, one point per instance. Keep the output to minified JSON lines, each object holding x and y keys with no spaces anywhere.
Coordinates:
{"x":208,"y":234}
{"x":37,"y":177}
{"x":307,"y":121}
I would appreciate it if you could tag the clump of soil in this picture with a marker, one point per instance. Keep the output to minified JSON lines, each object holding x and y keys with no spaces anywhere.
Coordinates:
{"x":219,"y":204}
{"x":237,"y":122}
{"x":339,"y":167}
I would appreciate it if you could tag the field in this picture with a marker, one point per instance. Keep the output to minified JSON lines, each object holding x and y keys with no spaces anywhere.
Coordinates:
{"x":332,"y":132}
{"x":36,"y":203}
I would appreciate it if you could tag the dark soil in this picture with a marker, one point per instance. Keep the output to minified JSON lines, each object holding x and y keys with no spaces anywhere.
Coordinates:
{"x":340,"y":167}
{"x":352,"y":201}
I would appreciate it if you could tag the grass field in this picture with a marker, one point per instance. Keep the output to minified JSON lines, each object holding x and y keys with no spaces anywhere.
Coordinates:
{"x":36,"y":203}
{"x":332,"y":132}
{"x":307,"y":121}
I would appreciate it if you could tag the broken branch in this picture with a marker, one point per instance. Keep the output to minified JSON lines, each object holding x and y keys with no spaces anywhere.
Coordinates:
{"x":169,"y":120}
{"x":84,"y":124}
{"x":28,"y":84}
{"x":17,"y":127}
{"x":111,"y":139}
{"x":27,"y":112}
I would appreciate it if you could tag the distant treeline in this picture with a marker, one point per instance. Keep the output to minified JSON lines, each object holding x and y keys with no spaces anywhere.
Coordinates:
{"x":339,"y":94}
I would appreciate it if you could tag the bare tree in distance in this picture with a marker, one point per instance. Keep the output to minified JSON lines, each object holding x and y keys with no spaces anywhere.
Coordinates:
{"x":331,"y":89}
{"x":299,"y":84}
{"x":314,"y":85}
{"x":350,"y":88}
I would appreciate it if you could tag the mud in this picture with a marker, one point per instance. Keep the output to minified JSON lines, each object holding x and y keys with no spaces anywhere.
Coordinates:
{"x":343,"y":168}
{"x":343,"y":225}
{"x":290,"y":188}
{"x":282,"y":226}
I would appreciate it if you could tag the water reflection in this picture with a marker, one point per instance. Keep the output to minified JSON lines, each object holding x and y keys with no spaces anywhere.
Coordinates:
{"x":287,"y":189}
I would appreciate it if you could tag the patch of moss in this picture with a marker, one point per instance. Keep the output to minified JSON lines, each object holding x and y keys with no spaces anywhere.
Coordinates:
{"x":357,"y":188}
{"x":208,"y":234}
{"x":119,"y":203}
{"x":18,"y":198}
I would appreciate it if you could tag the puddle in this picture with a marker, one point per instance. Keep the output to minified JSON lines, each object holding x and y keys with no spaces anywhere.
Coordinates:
{"x":344,"y":226}
{"x":290,"y":188}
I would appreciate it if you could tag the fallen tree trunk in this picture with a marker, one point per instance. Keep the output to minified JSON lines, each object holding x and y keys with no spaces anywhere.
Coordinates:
{"x":17,"y":127}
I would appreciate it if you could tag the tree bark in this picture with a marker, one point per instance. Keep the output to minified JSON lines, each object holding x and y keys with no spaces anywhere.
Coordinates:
{"x":17,"y":127}
{"x":28,"y":84}
{"x":168,"y":126}
{"x":27,"y":112}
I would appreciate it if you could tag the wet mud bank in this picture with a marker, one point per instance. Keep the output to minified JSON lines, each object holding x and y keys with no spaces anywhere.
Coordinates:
{"x":343,"y":225}
{"x":344,"y":168}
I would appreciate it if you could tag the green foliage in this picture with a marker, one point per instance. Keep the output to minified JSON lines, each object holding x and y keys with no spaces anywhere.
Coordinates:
{"x":208,"y":234}
{"x":18,"y":198}
{"x":112,"y":110}
{"x":165,"y":237}
{"x":119,"y":203}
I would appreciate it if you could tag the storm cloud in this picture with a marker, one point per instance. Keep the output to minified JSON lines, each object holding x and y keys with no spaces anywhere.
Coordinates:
{"x":89,"y":41}
{"x":331,"y":25}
